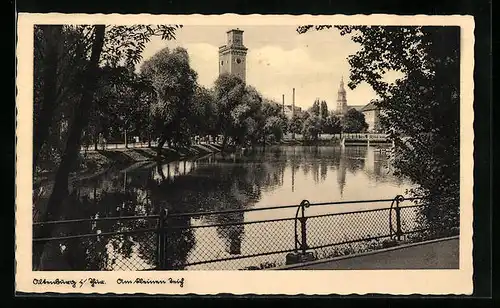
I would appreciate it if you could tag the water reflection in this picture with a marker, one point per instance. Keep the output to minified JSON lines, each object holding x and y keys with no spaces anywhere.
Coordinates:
{"x":259,"y":178}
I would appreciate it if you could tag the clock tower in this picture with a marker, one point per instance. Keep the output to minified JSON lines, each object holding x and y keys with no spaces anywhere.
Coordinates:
{"x":232,"y":56}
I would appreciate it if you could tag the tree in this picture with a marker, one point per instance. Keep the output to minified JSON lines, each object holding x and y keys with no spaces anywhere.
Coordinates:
{"x":296,"y":123}
{"x":323,"y":110}
{"x":276,"y":122}
{"x":120,"y":106}
{"x":271,"y":108}
{"x":132,"y":111}
{"x":58,"y":67}
{"x":354,"y":122}
{"x":315,"y":109}
{"x":99,"y":44}
{"x":331,"y":125}
{"x":205,"y":117}
{"x":60,"y":191}
{"x":274,"y":126}
{"x":420,"y":110}
{"x":239,"y":110}
{"x":311,"y":128}
{"x":174,"y":83}
{"x":229,"y":91}
{"x":245,"y":117}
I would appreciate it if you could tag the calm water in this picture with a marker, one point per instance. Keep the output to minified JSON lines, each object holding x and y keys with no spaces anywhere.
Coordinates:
{"x":261,"y":178}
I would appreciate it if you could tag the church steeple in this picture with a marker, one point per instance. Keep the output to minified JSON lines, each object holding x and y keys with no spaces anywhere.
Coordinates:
{"x":341,"y":98}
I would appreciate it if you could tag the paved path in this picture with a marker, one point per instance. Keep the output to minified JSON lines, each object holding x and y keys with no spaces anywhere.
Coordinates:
{"x":439,"y":254}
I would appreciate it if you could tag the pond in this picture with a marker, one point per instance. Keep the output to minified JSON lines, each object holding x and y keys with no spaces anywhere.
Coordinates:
{"x":274,"y":176}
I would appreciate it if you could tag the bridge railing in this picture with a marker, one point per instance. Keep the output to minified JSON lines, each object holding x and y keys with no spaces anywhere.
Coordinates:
{"x":347,"y":136}
{"x":254,"y":238}
{"x":364,"y":136}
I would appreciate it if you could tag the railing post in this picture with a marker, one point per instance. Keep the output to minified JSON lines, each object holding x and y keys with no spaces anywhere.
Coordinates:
{"x":162,"y":252}
{"x":303,"y":226}
{"x":399,"y":232}
{"x":303,"y":221}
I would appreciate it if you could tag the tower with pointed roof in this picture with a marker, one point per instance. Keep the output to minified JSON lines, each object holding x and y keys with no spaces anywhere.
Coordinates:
{"x":232,"y":56}
{"x":341,"y":98}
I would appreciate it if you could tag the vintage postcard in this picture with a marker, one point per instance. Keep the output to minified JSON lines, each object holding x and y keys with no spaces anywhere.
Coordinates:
{"x":256,"y":154}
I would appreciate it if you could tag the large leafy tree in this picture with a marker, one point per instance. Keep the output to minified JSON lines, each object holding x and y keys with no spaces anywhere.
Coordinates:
{"x":421,"y":110}
{"x":246,"y":116}
{"x":275,"y":121}
{"x":239,"y":110}
{"x":205,"y":117}
{"x":332,"y":124}
{"x":228,"y":91}
{"x":93,"y":46}
{"x":131,"y":107}
{"x":174,"y":83}
{"x":354,"y":122}
{"x":58,"y":67}
{"x":311,"y":128}
{"x":295,"y":123}
{"x":120,"y":106}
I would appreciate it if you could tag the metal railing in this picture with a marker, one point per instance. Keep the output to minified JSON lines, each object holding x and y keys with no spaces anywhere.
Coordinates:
{"x":253,"y":238}
{"x":373,"y":137}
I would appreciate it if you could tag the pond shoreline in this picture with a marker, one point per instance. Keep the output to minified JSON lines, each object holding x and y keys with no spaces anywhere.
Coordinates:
{"x":237,"y":185}
{"x":95,"y":163}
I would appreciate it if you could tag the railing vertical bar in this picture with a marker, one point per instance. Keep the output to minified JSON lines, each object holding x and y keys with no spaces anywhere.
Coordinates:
{"x":398,"y":220}
{"x":161,"y":240}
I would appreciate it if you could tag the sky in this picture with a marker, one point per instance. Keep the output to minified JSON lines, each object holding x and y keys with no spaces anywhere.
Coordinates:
{"x":278,"y":60}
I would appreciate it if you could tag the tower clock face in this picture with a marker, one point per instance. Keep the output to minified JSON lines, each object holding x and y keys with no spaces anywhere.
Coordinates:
{"x":238,"y":60}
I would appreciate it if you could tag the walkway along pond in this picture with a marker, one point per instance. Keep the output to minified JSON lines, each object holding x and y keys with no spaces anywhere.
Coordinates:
{"x":238,"y":187}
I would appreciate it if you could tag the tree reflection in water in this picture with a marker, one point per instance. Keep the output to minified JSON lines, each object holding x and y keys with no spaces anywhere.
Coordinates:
{"x":215,"y":183}
{"x":228,"y":182}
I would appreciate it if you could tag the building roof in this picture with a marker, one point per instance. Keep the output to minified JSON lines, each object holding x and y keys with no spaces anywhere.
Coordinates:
{"x":289,"y":107}
{"x":370,"y":106}
{"x":357,"y":107}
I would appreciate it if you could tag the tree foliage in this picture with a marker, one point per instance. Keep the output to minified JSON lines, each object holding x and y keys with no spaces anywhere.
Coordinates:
{"x":323,"y":110}
{"x":419,"y":110}
{"x":239,"y":110}
{"x":332,"y":125}
{"x":58,"y":71}
{"x":315,"y":109}
{"x":174,"y":83}
{"x":354,"y":122}
{"x":205,"y":117}
{"x":276,"y":122}
{"x":88,"y":49}
{"x":311,"y":128}
{"x":296,"y":123}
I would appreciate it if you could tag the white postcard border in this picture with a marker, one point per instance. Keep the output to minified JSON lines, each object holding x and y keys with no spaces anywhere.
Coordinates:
{"x":243,"y":282}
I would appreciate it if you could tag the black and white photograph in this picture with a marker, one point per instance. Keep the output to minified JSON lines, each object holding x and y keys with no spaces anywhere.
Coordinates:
{"x":246,"y":147}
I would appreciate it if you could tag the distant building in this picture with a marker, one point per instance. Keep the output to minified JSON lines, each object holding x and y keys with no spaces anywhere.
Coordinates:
{"x":232,"y":56}
{"x":341,"y":99}
{"x":356,"y":107}
{"x":288,"y":111}
{"x":372,"y":115}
